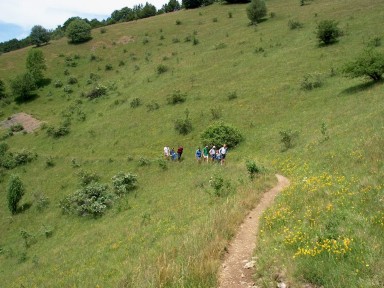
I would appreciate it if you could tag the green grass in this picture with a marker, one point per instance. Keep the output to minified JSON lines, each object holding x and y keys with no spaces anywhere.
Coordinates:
{"x":173,"y":230}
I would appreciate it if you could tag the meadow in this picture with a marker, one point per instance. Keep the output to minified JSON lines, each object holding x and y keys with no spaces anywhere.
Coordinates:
{"x":172,"y":231}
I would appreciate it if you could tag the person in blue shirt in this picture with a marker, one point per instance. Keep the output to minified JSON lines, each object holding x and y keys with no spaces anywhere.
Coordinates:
{"x":173,"y":154}
{"x":198,"y":155}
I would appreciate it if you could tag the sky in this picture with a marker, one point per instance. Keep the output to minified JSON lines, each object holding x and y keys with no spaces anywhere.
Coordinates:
{"x":17,"y":17}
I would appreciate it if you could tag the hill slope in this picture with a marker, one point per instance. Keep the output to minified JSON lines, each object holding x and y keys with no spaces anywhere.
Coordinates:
{"x":172,"y":230}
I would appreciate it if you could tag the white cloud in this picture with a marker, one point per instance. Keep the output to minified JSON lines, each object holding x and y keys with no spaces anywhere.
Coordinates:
{"x":51,"y":13}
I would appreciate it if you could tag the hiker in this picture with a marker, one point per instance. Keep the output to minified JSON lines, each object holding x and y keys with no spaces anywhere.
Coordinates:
{"x":223,"y":152}
{"x":212,"y":152}
{"x":173,"y":154}
{"x":218,"y":156}
{"x":179,"y":152}
{"x":166,"y":152}
{"x":206,"y":154}
{"x":198,"y":155}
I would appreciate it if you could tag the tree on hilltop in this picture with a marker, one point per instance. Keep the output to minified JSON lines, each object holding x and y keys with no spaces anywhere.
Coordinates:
{"x":39,"y":35}
{"x":78,"y":31}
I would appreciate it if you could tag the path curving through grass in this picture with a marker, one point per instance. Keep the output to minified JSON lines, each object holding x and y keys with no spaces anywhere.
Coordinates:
{"x":236,"y":270}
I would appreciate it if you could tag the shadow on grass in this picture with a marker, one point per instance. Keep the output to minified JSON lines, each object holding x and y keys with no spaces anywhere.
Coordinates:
{"x":24,"y":207}
{"x":29,"y":98}
{"x":44,"y":82}
{"x":361,"y":87}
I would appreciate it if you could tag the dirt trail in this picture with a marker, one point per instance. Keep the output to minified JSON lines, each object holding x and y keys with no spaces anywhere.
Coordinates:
{"x":234,"y":272}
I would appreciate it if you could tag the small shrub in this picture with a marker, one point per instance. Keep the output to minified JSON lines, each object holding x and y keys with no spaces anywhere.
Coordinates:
{"x":183,"y":126}
{"x":24,"y":157}
{"x":144,"y":161}
{"x":68,"y":89}
{"x":375,"y":42}
{"x":121,"y":63}
{"x":287,"y":138}
{"x":3,"y":148}
{"x":58,"y":84}
{"x":232,"y":95}
{"x":16,"y":127}
{"x":214,"y":20}
{"x":15,"y":192}
{"x":195,"y":41}
{"x":94,"y":77}
{"x":145,"y":40}
{"x":103,"y":30}
{"x":152,"y":106}
{"x":136,"y":102}
{"x":219,"y":133}
{"x":42,"y":201}
{"x":216,"y":113}
{"x":221,"y":187}
{"x":178,"y":22}
{"x":188,"y":38}
{"x":176,"y":98}
{"x":97,"y":91}
{"x":88,"y":177}
{"x":230,"y":14}
{"x":324,"y":131}
{"x":328,"y":32}
{"x":58,"y":132}
{"x":28,"y":238}
{"x":220,"y":46}
{"x":175,"y":40}
{"x":162,"y":164}
{"x":161,"y":68}
{"x":294,"y":24}
{"x":124,"y":183}
{"x":311,"y":81}
{"x":72,"y":80}
{"x":252,"y":168}
{"x":108,"y":67}
{"x":91,"y":200}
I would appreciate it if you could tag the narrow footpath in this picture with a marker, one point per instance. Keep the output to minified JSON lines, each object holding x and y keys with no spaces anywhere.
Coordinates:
{"x":238,"y":266}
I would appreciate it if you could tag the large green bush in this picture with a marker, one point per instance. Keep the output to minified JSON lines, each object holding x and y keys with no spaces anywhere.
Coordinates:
{"x":36,"y":65}
{"x":327,"y":32}
{"x":219,"y":133}
{"x":23,"y":86}
{"x":256,"y":11}
{"x":39,"y":35}
{"x":369,"y":64}
{"x":15,"y":192}
{"x":91,"y":200}
{"x":78,"y":31}
{"x":124,"y":183}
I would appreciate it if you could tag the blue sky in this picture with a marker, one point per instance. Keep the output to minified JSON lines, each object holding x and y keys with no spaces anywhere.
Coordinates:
{"x":17,"y":17}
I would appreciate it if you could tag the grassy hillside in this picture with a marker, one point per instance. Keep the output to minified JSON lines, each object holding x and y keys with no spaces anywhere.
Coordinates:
{"x":325,"y":230}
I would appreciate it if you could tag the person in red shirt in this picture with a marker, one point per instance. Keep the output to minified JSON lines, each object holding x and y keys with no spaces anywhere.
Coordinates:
{"x":179,"y":152}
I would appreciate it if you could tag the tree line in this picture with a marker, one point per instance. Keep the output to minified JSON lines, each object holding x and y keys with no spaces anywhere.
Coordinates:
{"x":39,"y":35}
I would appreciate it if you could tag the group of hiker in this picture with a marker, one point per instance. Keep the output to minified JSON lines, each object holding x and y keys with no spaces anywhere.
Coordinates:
{"x":207,"y":154}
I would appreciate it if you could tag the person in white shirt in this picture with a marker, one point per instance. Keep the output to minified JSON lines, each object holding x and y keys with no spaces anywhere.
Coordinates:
{"x":166,"y":152}
{"x":223,"y":152}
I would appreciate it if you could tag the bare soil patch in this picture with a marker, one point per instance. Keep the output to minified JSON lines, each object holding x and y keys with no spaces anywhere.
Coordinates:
{"x":238,"y":266}
{"x":125,"y":40}
{"x":29,"y":123}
